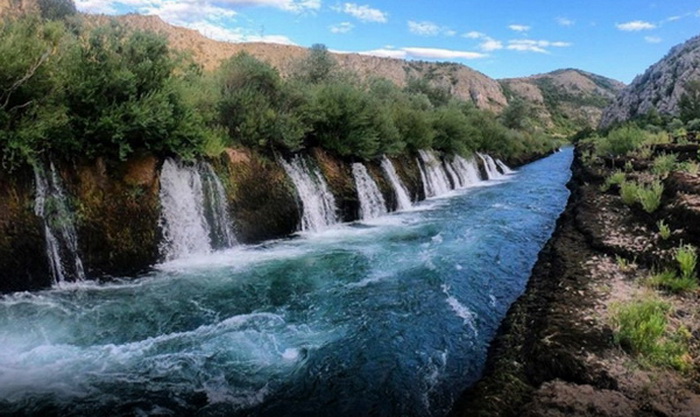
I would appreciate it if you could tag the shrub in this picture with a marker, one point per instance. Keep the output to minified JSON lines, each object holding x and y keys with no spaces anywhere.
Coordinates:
{"x":629,"y":192}
{"x":641,"y":328}
{"x":650,"y":196}
{"x":664,"y":164}
{"x":617,"y":178}
{"x":622,"y":140}
{"x":669,"y":281}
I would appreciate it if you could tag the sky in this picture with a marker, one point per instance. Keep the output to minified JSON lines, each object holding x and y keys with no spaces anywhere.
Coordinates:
{"x":502,"y":39}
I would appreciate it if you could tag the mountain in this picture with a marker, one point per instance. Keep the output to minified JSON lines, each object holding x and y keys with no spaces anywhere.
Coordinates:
{"x":660,"y":87}
{"x":564,"y":101}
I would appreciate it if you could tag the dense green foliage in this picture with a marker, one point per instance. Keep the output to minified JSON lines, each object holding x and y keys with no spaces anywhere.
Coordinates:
{"x":71,"y":90}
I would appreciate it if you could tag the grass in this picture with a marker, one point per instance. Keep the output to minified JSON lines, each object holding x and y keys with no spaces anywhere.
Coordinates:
{"x":664,"y":229}
{"x":650,"y":196}
{"x":641,"y":328}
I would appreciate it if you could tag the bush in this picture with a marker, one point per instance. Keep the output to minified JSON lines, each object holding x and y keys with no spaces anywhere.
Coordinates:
{"x":617,"y":178}
{"x":669,"y":281}
{"x":664,"y":164}
{"x":641,"y":328}
{"x":622,"y":140}
{"x":629,"y":192}
{"x":650,"y":196}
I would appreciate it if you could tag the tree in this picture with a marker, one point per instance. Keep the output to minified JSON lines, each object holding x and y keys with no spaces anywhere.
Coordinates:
{"x":318,"y":66}
{"x":56,"y":9}
{"x":258,"y":108}
{"x":689,"y":103}
{"x":516,"y":115}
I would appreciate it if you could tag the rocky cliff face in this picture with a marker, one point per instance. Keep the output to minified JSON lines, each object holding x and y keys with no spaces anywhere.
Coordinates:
{"x":566,"y":100}
{"x":660,"y":87}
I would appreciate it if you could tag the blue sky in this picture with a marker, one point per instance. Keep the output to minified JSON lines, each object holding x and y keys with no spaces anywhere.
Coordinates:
{"x":513,"y":38}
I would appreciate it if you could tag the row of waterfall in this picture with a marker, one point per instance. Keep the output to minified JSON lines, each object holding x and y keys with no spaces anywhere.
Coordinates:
{"x":195,"y":216}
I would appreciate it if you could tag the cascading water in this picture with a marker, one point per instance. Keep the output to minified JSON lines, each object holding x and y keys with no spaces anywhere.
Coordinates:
{"x":456,"y":181}
{"x":184,"y":225}
{"x":319,"y":209}
{"x":434,"y":178}
{"x":403,"y":201}
{"x":51,"y":205}
{"x":221,"y":233}
{"x":372,"y":202}
{"x":467,"y":170}
{"x":504,"y":168}
{"x":490,"y":166}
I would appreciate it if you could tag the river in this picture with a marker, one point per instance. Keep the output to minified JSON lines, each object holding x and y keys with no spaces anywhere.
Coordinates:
{"x":389,"y":317}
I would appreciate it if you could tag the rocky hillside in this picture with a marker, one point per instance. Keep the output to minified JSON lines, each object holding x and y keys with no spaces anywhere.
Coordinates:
{"x":462,"y":81}
{"x":660,"y":87}
{"x":564,"y":101}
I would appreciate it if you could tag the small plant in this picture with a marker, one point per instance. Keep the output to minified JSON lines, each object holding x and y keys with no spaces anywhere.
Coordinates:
{"x":692,"y":168}
{"x":616,"y":178}
{"x":650,"y":196}
{"x":664,"y":229}
{"x":645,"y":152}
{"x":624,"y":264}
{"x":669,"y":281}
{"x":664,"y":164}
{"x":641,"y":328}
{"x":628,"y":192}
{"x":687,"y":259}
{"x":628,"y":166}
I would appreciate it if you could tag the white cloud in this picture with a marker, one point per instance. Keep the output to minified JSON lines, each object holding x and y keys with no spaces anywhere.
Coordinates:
{"x":343,"y":27}
{"x":519,"y":28}
{"x":474,"y":35}
{"x":186,"y":12}
{"x":423,"y":28}
{"x":491,"y":45}
{"x":287,"y":5}
{"x":635,"y":26}
{"x":529,"y":45}
{"x":386,"y":53}
{"x":363,"y":13}
{"x":437,"y":53}
{"x":563,"y":21}
{"x":429,"y":29}
{"x":652,"y":39}
{"x":95,"y":6}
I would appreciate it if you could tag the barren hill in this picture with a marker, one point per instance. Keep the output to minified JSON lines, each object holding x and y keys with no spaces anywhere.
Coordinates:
{"x":566,"y":100}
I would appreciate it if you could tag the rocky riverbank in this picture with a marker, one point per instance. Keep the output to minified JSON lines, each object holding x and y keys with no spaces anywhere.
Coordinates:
{"x":558,"y":352}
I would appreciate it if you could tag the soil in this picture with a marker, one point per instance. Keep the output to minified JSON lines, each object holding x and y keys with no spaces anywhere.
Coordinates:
{"x":555,"y":354}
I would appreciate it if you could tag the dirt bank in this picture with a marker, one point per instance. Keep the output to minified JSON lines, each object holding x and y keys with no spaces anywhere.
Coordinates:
{"x":556,"y":354}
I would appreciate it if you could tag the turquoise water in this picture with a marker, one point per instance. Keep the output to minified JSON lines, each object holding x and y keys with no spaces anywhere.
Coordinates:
{"x":387,"y":318}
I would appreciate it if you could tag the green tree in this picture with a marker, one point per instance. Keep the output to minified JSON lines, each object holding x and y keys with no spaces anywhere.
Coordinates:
{"x":56,"y":9}
{"x":517,"y":115}
{"x":318,"y":66}
{"x":31,"y":110}
{"x":258,"y":108}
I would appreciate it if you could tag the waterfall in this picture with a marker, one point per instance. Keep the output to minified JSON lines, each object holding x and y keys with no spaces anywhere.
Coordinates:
{"x":504,"y":168}
{"x":490,"y":166}
{"x":435,"y":180}
{"x":51,"y":205}
{"x":453,"y":175}
{"x":403,"y":201}
{"x":317,"y":200}
{"x":467,"y":170}
{"x":372,"y":202}
{"x":221,"y":233}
